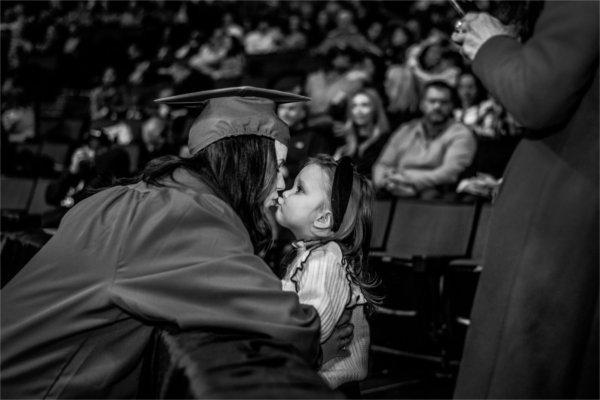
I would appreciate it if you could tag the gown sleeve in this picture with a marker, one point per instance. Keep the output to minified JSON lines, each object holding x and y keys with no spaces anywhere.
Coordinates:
{"x":541,"y":81}
{"x":190,"y":262}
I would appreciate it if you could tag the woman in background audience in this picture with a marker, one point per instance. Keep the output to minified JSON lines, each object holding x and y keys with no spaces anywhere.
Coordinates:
{"x":475,"y":110}
{"x":107,"y":97}
{"x":366,"y":130}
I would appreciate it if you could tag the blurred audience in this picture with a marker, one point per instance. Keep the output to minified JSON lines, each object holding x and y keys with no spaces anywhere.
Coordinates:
{"x":330,"y":86}
{"x":434,"y":59}
{"x":108,"y":98}
{"x":264,"y":39}
{"x":425,"y":157}
{"x":68,"y":67}
{"x":155,"y":142}
{"x":18,"y":119}
{"x":96,"y":163}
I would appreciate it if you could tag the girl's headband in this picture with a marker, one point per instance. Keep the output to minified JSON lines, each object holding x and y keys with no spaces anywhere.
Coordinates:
{"x":340,"y":191}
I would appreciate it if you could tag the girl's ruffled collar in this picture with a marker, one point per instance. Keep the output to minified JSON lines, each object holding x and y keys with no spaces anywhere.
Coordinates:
{"x":304,"y":249}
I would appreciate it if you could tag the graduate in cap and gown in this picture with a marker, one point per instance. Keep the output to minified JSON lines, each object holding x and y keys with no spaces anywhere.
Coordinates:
{"x":178,"y":247}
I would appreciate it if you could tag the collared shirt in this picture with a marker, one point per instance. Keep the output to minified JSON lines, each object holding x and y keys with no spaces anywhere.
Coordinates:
{"x":425,"y":161}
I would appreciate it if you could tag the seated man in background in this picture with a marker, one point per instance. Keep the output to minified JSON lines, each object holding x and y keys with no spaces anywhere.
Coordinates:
{"x":429,"y":153}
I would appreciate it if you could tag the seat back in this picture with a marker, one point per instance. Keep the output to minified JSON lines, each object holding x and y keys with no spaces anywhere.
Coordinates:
{"x":72,"y":129}
{"x":382,"y":217}
{"x":481,"y":231}
{"x":15,"y":193}
{"x":56,"y":151}
{"x":38,"y":202}
{"x":430,"y":229}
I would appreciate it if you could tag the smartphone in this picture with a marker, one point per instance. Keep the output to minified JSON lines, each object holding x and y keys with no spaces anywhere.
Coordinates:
{"x":464,"y":6}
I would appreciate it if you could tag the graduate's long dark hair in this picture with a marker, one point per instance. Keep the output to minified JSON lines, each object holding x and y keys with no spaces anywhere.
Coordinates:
{"x":242,"y":171}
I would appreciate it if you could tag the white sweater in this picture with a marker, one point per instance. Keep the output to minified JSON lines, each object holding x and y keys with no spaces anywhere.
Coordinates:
{"x":319,"y":278}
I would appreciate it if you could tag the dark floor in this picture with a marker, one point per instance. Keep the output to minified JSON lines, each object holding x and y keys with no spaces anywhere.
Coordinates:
{"x":406,"y":359}
{"x":404,"y":377}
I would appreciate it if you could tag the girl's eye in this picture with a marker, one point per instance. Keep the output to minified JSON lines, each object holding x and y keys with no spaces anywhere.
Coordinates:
{"x":299,"y":188}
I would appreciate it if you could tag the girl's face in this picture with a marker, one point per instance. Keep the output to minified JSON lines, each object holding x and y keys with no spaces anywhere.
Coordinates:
{"x":304,"y":202}
{"x":281,"y":154}
{"x":362,"y":110}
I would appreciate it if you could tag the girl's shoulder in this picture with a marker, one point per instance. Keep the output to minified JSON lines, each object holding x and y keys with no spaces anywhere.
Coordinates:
{"x":330,"y":249}
{"x":320,"y":256}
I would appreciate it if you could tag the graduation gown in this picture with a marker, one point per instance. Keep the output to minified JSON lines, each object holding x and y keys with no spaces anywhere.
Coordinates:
{"x":534,"y":324}
{"x":77,"y":318}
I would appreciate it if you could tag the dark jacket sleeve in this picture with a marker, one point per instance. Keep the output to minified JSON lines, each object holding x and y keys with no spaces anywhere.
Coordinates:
{"x":190,"y":263}
{"x":541,"y":81}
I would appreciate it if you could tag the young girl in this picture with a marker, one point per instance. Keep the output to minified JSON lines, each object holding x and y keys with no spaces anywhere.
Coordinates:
{"x":328,"y":210}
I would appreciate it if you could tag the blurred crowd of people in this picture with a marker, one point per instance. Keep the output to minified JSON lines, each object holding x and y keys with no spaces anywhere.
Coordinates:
{"x":388,"y":87}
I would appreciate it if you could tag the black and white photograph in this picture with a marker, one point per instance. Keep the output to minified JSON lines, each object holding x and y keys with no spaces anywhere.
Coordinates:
{"x":299,"y":199}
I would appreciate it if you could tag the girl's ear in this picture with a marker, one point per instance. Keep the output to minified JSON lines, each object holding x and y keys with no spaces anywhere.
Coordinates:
{"x":324,"y":221}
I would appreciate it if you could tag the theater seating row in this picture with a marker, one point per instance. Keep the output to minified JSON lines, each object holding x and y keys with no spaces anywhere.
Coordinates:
{"x":428,"y":255}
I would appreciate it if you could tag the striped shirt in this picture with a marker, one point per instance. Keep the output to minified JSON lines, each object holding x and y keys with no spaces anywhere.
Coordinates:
{"x":320,"y":280}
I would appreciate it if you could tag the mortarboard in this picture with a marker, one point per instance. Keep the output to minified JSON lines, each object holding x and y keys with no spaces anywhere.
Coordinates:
{"x":234,"y":111}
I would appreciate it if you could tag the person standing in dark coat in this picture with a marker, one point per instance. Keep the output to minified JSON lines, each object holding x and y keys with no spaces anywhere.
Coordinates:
{"x":534,"y":325}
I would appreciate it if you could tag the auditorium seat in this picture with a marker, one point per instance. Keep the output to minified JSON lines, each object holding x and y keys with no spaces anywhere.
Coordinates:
{"x":16,"y":193}
{"x":428,"y":229}
{"x":71,"y":129}
{"x":461,"y":282}
{"x":33,"y":148}
{"x":382,"y":216}
{"x":48,"y":127}
{"x":463,"y":273}
{"x":479,"y":242}
{"x":56,"y":151}
{"x":423,"y":237}
{"x":17,"y":249}
{"x":38,"y":202}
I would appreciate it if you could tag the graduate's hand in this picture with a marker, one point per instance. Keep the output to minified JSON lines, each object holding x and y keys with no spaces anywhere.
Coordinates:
{"x":341,"y":337}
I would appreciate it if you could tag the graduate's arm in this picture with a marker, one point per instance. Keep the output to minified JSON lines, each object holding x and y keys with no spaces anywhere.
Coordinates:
{"x":192,"y":265}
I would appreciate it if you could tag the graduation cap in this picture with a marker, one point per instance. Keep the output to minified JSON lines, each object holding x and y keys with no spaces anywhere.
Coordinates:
{"x":234,"y":111}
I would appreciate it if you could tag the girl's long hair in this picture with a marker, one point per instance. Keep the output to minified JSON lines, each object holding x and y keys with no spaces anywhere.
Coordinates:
{"x":242,"y":171}
{"x":354,"y":233}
